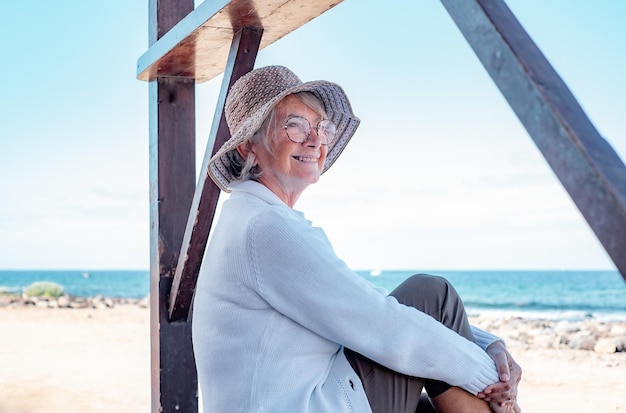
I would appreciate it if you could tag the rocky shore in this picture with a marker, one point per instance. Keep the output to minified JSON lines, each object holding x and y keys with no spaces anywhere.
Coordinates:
{"x":519,"y":333}
{"x":589,"y":334}
{"x":65,"y":301}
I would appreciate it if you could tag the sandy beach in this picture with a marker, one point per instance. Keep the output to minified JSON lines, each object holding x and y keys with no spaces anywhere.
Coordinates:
{"x":98,"y":360}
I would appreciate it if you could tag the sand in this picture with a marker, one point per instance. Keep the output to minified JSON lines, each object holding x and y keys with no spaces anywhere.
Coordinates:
{"x":74,"y":360}
{"x":98,"y":360}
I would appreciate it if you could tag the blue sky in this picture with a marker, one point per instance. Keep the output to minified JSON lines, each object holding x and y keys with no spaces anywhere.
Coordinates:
{"x":440,"y":175}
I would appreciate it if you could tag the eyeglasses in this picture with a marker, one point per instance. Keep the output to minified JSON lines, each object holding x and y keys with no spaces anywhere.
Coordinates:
{"x":299,"y":130}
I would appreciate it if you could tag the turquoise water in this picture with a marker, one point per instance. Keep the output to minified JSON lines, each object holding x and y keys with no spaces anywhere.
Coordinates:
{"x":122,"y":284}
{"x":545,"y":294}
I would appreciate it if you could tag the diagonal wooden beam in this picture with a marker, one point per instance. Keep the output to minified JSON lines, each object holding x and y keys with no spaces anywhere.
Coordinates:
{"x":243,"y":52}
{"x":587,"y":166}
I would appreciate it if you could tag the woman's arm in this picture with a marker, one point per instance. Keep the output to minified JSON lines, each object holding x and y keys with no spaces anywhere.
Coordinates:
{"x":483,"y":338}
{"x":297,"y":272}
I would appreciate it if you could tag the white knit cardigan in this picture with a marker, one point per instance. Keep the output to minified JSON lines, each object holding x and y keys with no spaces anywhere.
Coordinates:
{"x":274,"y":307}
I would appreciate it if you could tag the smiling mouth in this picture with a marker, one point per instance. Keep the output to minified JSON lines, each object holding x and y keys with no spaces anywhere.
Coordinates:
{"x":306,"y":158}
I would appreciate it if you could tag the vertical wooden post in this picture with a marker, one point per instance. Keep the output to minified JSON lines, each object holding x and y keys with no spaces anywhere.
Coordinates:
{"x":172,"y":185}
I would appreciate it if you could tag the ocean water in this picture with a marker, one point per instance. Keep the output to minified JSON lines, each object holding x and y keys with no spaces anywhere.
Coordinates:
{"x":569,"y":295}
{"x":534,"y":294}
{"x":120,"y":284}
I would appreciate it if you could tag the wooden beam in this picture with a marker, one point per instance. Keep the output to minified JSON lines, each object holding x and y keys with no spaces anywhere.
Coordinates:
{"x":172,"y":184}
{"x":587,"y":166}
{"x":198,"y":46}
{"x":243,"y":52}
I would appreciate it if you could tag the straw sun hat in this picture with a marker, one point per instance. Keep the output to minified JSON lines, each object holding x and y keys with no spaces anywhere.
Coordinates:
{"x":254,"y":95}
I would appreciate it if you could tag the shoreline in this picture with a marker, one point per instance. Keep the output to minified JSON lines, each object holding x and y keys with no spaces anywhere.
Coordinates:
{"x":97,"y":359}
{"x":543,"y":334}
{"x":71,"y":302}
{"x":515,"y":328}
{"x":66,"y":301}
{"x":549,"y":314}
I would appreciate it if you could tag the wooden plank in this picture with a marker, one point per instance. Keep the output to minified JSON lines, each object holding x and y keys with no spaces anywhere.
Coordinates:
{"x":585,"y":163}
{"x":198,"y":46}
{"x":243,"y":52}
{"x":172,"y":183}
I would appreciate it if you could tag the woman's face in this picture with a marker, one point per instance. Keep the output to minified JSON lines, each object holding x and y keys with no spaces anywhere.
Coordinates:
{"x":293,"y":166}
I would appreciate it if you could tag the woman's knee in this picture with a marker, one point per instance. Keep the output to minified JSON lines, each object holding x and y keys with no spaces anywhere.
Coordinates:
{"x":431,"y":282}
{"x":435,"y":296}
{"x":420,"y":288}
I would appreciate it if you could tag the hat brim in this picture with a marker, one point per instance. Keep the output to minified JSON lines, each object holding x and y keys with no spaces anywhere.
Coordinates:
{"x":337,"y":108}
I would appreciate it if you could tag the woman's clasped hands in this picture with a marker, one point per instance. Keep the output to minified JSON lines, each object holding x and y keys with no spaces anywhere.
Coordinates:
{"x":502,"y":396}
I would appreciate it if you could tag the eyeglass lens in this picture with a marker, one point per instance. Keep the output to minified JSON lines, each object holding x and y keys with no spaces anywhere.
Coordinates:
{"x":299,"y":129}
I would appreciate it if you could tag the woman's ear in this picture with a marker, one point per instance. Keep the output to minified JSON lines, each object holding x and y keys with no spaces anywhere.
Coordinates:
{"x":244,"y":149}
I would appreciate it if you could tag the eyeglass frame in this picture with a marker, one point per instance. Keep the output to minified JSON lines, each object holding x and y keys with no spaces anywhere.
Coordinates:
{"x":324,"y":141}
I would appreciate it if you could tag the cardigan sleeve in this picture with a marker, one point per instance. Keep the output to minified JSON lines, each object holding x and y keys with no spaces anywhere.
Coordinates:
{"x":297,"y":272}
{"x":483,"y":338}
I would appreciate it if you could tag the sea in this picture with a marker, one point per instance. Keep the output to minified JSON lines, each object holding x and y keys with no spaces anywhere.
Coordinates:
{"x":554,"y":294}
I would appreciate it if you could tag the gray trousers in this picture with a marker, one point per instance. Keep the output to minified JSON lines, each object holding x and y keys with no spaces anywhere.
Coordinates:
{"x":389,"y":391}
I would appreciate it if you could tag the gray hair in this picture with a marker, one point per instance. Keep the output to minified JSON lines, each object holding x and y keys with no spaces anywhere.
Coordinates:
{"x":247,"y":169}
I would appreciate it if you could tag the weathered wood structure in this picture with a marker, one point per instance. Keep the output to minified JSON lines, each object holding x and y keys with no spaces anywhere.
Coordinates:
{"x":190,"y":45}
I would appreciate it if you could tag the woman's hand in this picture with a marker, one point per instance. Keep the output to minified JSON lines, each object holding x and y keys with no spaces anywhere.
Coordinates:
{"x":502,"y":396}
{"x":509,"y":407}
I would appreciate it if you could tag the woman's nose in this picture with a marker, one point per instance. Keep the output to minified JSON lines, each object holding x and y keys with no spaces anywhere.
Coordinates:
{"x":314,"y":139}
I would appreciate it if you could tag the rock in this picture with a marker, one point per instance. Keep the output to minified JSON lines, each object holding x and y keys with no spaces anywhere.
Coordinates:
{"x":566,"y":327}
{"x":63,"y":301}
{"x":5,"y":300}
{"x":618,"y":330}
{"x":144,"y":302}
{"x":563,"y":339}
{"x":78,"y":304}
{"x":606,"y":346}
{"x":582,"y":340}
{"x":30,"y":300}
{"x":620,"y":343}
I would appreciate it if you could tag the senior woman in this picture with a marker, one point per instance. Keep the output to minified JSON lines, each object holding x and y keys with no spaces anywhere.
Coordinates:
{"x":280,"y":323}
